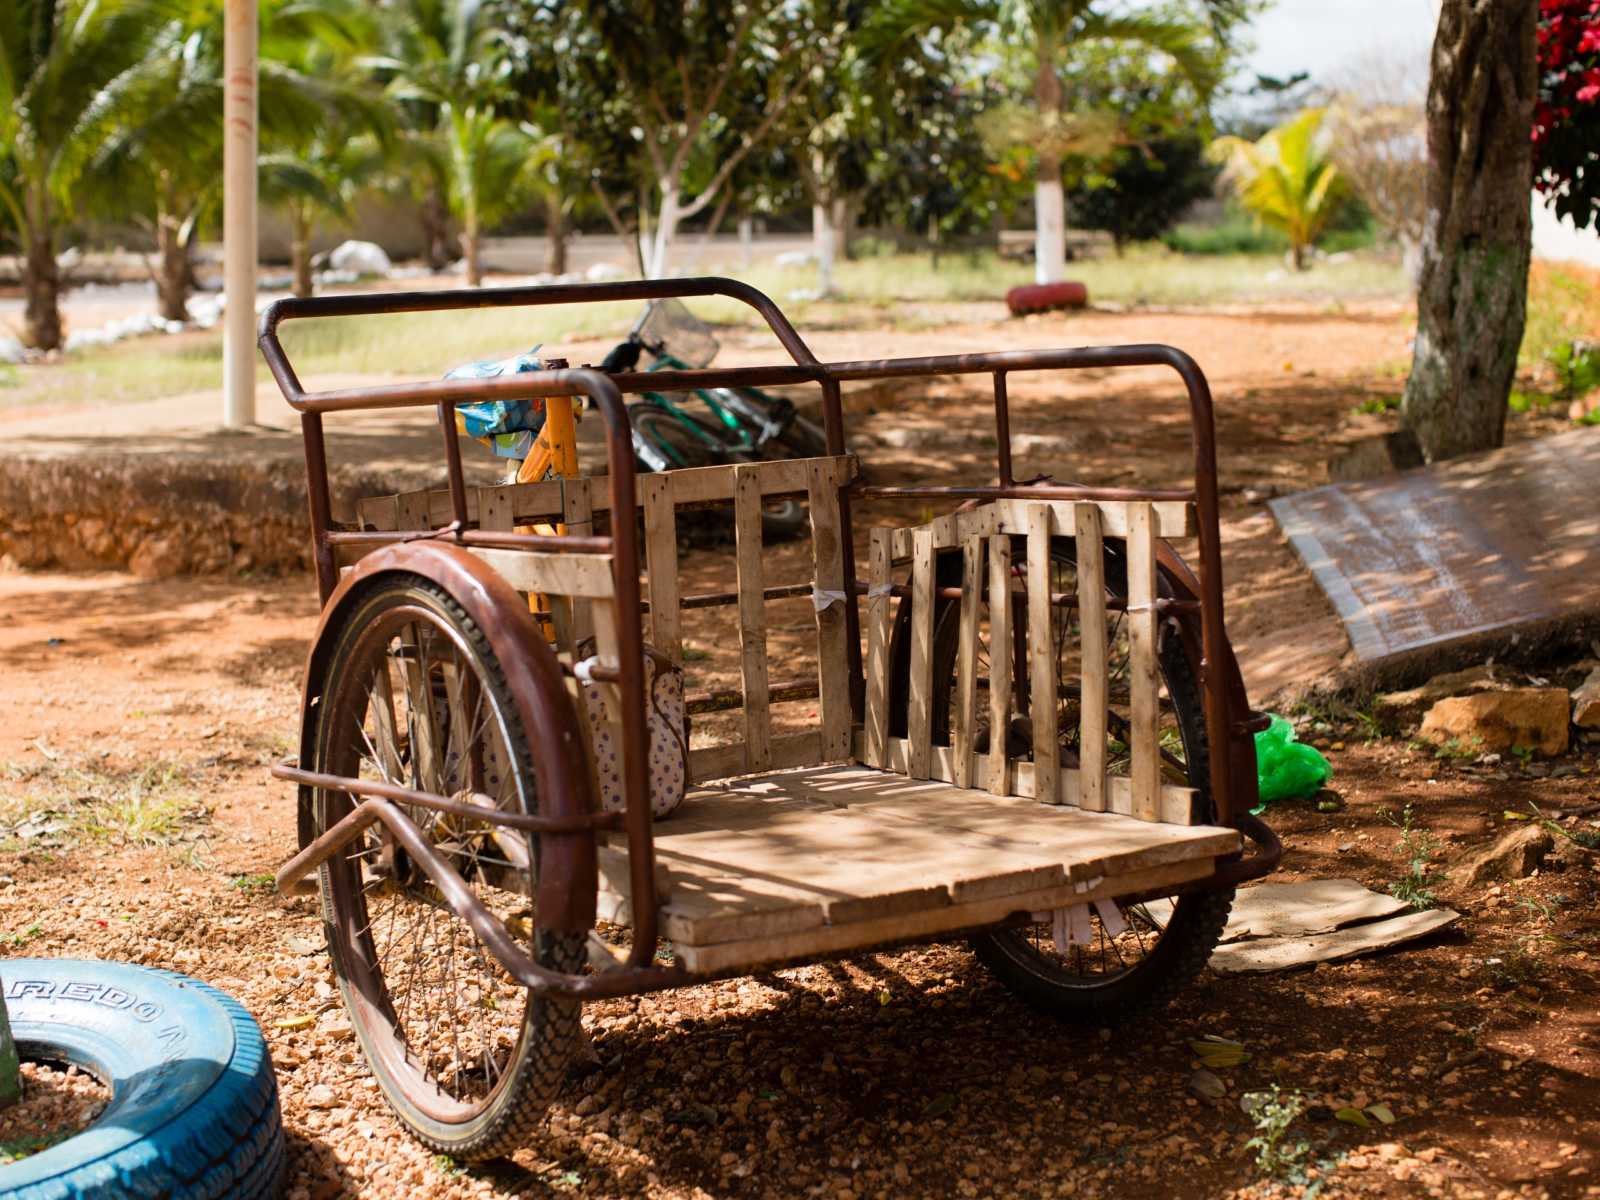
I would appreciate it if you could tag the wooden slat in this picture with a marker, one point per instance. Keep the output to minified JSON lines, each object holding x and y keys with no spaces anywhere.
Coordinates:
{"x":587,"y":575}
{"x":833,"y":667}
{"x":1042,"y":680}
{"x":1000,"y":635}
{"x":494,"y":509}
{"x":730,"y":761}
{"x":1143,"y":682}
{"x":752,"y":615}
{"x":378,"y":512}
{"x":577,"y":506}
{"x":878,"y":610}
{"x":411,"y":512}
{"x":1174,"y":519}
{"x":919,"y":710}
{"x":661,"y":552}
{"x":1092,"y":635}
{"x":966,"y":714}
{"x":1177,"y":803}
{"x":833,"y":939}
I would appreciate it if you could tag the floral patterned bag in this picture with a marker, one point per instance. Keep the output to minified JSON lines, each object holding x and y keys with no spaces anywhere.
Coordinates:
{"x":665,"y":728}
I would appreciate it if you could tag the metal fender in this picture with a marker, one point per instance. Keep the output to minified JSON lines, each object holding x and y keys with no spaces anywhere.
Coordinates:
{"x":568,"y":877}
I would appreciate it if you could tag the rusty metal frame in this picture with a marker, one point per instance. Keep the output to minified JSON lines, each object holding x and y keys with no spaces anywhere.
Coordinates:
{"x":1229,"y":722}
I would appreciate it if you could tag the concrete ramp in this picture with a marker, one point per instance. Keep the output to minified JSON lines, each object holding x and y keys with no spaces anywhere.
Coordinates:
{"x":1460,"y":553}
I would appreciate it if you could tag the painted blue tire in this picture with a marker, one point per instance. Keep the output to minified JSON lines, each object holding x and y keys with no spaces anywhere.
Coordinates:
{"x":194,"y":1105}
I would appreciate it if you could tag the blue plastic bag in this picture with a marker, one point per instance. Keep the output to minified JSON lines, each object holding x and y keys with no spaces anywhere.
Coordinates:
{"x":508,"y":427}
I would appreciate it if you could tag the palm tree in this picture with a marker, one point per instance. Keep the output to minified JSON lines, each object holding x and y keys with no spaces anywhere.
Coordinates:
{"x":65,"y":70}
{"x":318,"y":179}
{"x":1286,"y":179}
{"x":1045,"y":29}
{"x":165,"y":156}
{"x":447,"y":59}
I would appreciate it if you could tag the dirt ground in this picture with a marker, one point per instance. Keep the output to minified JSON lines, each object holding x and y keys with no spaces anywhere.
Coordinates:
{"x":141,"y":717}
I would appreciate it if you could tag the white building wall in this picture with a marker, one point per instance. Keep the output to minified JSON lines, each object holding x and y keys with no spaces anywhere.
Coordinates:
{"x":1559,"y":241}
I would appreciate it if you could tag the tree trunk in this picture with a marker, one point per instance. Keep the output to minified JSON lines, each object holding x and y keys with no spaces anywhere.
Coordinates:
{"x":666,"y":230}
{"x":555,"y":224}
{"x":842,"y":220}
{"x":469,"y":251}
{"x":1473,"y":292}
{"x":41,"y":283}
{"x":1049,"y":201}
{"x":300,"y":252}
{"x":747,"y":236}
{"x":173,"y":274}
{"x":824,"y":241}
{"x":435,"y":217}
{"x":1297,"y":257}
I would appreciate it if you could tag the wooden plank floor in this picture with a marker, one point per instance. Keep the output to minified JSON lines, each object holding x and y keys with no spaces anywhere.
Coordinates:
{"x":1460,"y":551}
{"x":827,"y":858}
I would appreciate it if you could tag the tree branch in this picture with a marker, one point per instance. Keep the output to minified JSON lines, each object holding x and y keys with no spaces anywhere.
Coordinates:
{"x":733,"y":160}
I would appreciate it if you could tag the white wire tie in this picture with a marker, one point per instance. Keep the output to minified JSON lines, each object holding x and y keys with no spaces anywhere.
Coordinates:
{"x":583,"y":669}
{"x":1147,"y":606}
{"x":821,"y":598}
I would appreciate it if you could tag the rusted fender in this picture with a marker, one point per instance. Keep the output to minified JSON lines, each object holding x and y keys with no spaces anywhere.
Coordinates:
{"x":567,"y":861}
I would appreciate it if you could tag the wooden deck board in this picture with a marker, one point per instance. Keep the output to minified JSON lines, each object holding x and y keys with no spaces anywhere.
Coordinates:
{"x":831,"y":847}
{"x":1459,"y":552}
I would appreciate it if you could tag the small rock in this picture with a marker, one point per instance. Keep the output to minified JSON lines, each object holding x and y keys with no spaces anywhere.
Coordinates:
{"x":1515,"y":856}
{"x":321,"y":1096}
{"x":1204,"y":1083}
{"x":1329,"y":801}
{"x":158,"y":558}
{"x":1586,"y":702}
{"x":1404,"y":707}
{"x":1532,"y":717}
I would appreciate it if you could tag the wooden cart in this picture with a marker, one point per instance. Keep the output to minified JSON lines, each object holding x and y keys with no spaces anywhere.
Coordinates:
{"x":453,"y":755}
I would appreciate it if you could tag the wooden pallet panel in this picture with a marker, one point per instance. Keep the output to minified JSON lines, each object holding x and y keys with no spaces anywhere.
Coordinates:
{"x":1144,"y":682}
{"x":841,"y":846}
{"x":1174,"y":804}
{"x":661,"y":554}
{"x":919,"y":710}
{"x":722,"y":957}
{"x":833,"y":668}
{"x":877,"y":666}
{"x":1090,"y":551}
{"x":752,"y":617}
{"x":1000,"y":635}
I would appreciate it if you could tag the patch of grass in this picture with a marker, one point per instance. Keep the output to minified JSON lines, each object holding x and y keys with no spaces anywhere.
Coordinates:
{"x":1416,"y":847}
{"x":147,"y":368}
{"x":1377,"y":405}
{"x":30,"y":1144}
{"x":22,"y":937}
{"x":1563,"y":307}
{"x":254,"y":883}
{"x":60,"y":804}
{"x":1278,"y":1155}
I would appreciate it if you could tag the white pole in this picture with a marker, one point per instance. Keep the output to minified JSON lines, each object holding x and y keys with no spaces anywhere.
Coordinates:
{"x":239,"y":214}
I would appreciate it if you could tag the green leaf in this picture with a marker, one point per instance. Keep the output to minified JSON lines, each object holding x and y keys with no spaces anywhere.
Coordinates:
{"x":1218,"y":1052}
{"x":1382,"y":1113}
{"x":1352,"y":1116}
{"x":940,"y":1105}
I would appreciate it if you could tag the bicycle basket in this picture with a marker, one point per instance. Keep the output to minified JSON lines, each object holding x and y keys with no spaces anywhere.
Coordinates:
{"x":670,"y":326}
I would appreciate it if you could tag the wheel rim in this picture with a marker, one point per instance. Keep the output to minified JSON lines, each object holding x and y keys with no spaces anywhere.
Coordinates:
{"x":441,"y":1020}
{"x":1110,"y":953}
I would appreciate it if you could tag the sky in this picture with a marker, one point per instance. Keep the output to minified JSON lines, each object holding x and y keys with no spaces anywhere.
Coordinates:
{"x":1323,"y":36}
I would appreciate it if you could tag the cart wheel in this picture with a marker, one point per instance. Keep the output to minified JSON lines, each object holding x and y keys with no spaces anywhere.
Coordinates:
{"x":1111,"y":978}
{"x":414,"y":695}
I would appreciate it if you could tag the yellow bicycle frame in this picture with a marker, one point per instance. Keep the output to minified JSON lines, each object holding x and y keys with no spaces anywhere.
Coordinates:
{"x":554,"y":456}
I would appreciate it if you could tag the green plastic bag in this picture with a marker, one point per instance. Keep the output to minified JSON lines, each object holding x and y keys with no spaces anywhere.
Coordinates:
{"x":1287,"y":769}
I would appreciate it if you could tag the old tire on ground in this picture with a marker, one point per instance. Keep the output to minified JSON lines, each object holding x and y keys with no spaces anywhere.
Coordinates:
{"x":1042,"y":297}
{"x":194,"y":1105}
